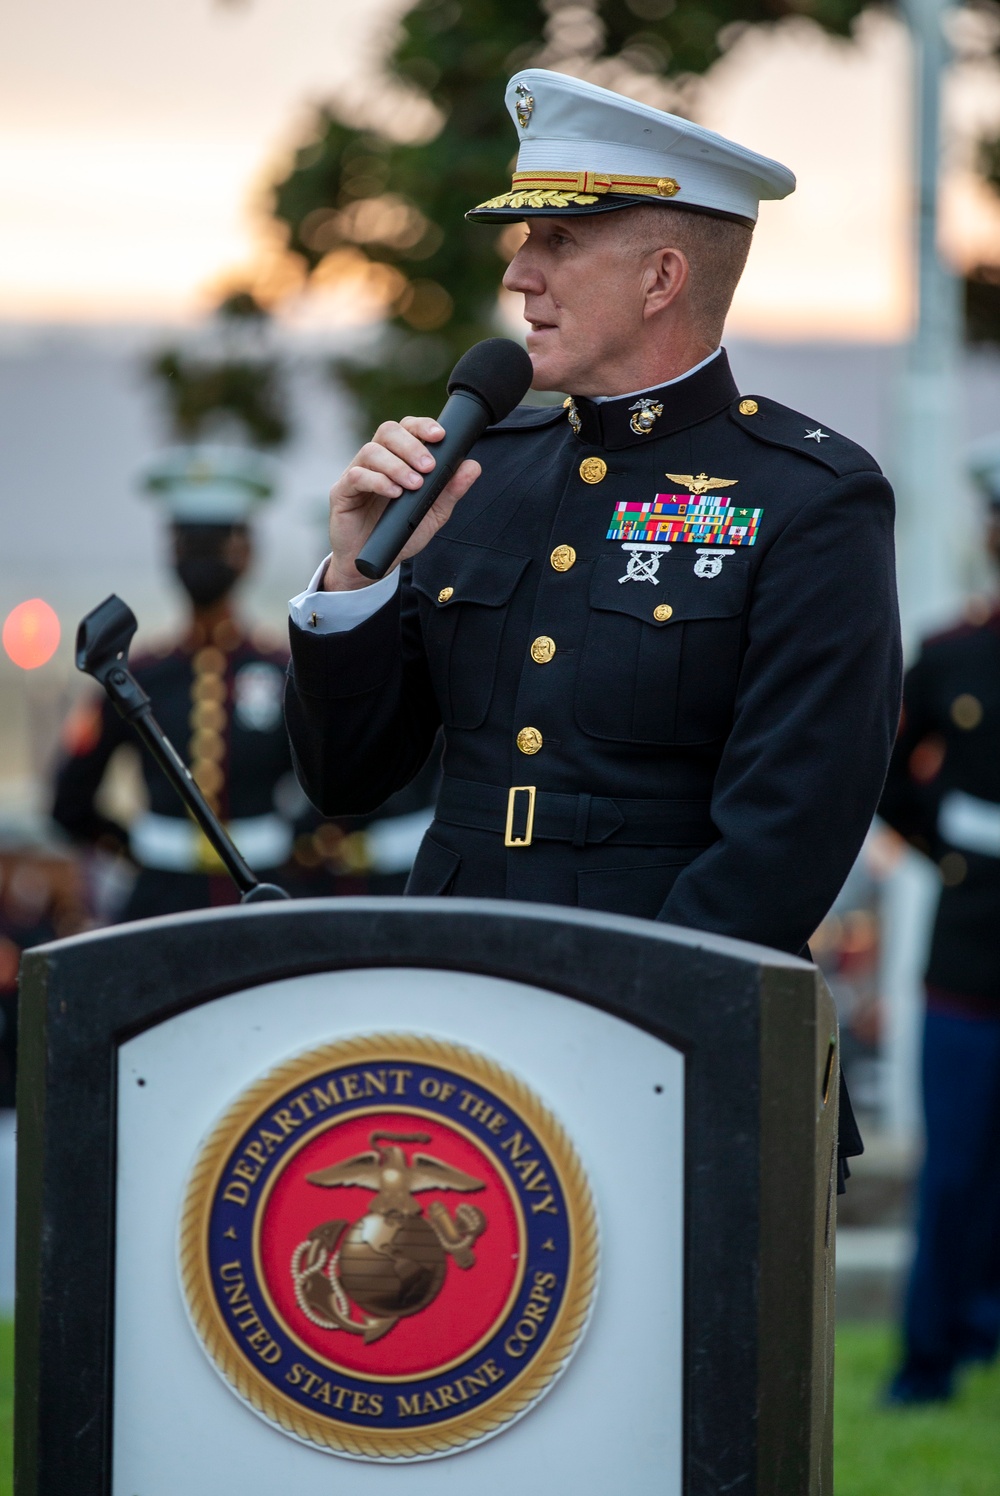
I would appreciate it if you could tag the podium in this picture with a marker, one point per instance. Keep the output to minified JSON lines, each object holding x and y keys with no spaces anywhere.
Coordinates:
{"x":423,"y":1195}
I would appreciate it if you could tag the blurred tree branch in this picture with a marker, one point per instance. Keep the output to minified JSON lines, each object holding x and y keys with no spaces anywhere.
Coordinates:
{"x":235,"y":389}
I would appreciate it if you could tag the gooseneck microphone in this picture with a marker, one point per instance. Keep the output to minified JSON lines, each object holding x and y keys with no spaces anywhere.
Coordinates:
{"x":485,"y":385}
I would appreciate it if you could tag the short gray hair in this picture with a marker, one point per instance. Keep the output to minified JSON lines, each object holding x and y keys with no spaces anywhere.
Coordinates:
{"x":716,"y":250}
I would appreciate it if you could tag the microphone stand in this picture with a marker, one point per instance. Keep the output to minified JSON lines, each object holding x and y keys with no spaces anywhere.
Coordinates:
{"x":102,"y":645}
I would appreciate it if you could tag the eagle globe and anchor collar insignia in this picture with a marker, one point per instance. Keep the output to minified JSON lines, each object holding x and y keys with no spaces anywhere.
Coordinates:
{"x":336,"y":1284}
{"x":642,"y":419}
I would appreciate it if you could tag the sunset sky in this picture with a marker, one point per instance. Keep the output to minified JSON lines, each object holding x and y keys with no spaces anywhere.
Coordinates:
{"x":134,"y":142}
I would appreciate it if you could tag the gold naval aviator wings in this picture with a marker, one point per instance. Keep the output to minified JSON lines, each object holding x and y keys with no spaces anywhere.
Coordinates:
{"x":702,"y":483}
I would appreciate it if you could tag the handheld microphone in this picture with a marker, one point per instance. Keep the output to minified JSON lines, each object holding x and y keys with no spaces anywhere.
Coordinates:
{"x":485,"y":385}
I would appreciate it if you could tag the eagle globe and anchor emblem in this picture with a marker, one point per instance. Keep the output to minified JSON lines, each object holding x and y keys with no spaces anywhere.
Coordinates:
{"x":391,"y":1262}
{"x":449,"y":1286}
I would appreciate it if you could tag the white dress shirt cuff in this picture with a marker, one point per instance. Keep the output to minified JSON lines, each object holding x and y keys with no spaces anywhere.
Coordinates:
{"x":338,"y":612}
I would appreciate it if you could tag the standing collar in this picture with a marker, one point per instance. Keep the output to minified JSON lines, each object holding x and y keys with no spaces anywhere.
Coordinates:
{"x":648,"y":389}
{"x":632,"y":420}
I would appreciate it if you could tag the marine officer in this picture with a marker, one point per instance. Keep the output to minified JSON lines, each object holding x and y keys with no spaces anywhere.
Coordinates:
{"x":943,"y":795}
{"x":216,"y":691}
{"x":658,"y":623}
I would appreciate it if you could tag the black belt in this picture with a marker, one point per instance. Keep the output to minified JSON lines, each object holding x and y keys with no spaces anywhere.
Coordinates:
{"x":523,"y":813}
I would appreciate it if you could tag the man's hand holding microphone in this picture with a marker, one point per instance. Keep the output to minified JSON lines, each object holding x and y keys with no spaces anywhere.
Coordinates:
{"x":403,"y":485}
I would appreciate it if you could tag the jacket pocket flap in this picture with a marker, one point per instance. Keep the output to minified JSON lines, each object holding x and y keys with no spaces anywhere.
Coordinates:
{"x":434,"y":870}
{"x":453,"y":571}
{"x":672,"y":592}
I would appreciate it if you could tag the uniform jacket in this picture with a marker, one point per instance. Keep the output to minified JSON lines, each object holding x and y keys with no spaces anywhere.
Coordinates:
{"x":713,"y":739}
{"x":220,"y":705}
{"x":943,"y":795}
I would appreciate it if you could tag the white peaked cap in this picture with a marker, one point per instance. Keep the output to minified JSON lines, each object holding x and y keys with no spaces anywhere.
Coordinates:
{"x":584,"y":149}
{"x":984,"y":465}
{"x":207,"y":484}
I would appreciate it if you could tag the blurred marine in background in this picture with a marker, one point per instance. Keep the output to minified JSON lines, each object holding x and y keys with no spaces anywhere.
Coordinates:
{"x":943,"y":795}
{"x":216,"y":691}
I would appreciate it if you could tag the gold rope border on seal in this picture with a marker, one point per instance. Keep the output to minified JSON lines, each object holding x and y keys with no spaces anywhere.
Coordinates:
{"x":389,"y":1444}
{"x":558,"y":189}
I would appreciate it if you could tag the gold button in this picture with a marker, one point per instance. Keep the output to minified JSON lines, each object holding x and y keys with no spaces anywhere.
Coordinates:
{"x":662,"y":612}
{"x":445,"y":594}
{"x":667,"y":187}
{"x":207,"y":776}
{"x":748,"y":407}
{"x":529,"y":740}
{"x":226,"y":635}
{"x":593,"y":469}
{"x":967,"y":711}
{"x":563,"y":557}
{"x":208,"y":744}
{"x":207,"y":714}
{"x":543,"y":649}
{"x":209,"y":661}
{"x":208,"y":688}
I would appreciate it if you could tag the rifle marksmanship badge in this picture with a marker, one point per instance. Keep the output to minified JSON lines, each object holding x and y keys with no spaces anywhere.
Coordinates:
{"x":389,"y":1247}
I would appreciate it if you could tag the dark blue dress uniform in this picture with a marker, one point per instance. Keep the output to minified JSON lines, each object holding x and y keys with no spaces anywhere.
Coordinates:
{"x":943,"y":795}
{"x":219,"y":701}
{"x":702,"y":740}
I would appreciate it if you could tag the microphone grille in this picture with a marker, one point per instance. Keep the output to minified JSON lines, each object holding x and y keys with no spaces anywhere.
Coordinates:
{"x":498,"y":371}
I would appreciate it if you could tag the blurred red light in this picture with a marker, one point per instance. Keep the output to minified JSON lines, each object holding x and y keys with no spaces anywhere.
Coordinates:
{"x":31,"y":633}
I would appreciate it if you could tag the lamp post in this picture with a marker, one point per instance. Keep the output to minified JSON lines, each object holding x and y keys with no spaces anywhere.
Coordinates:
{"x":927,"y":468}
{"x":932,"y":517}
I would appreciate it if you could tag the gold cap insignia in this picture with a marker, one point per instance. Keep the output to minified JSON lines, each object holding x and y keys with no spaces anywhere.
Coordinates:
{"x":560,"y":189}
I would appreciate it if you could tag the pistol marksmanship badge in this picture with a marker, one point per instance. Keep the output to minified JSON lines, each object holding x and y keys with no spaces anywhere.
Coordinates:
{"x":389,"y":1247}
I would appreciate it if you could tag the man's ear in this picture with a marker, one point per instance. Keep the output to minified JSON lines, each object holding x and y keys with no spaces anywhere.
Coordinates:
{"x":667,"y":276}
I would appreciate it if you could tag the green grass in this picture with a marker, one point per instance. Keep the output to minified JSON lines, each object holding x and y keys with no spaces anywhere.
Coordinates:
{"x":6,"y":1409}
{"x":952,"y":1450}
{"x":949,"y":1451}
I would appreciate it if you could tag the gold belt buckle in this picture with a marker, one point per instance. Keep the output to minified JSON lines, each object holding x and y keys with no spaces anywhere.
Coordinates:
{"x":509,"y":839}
